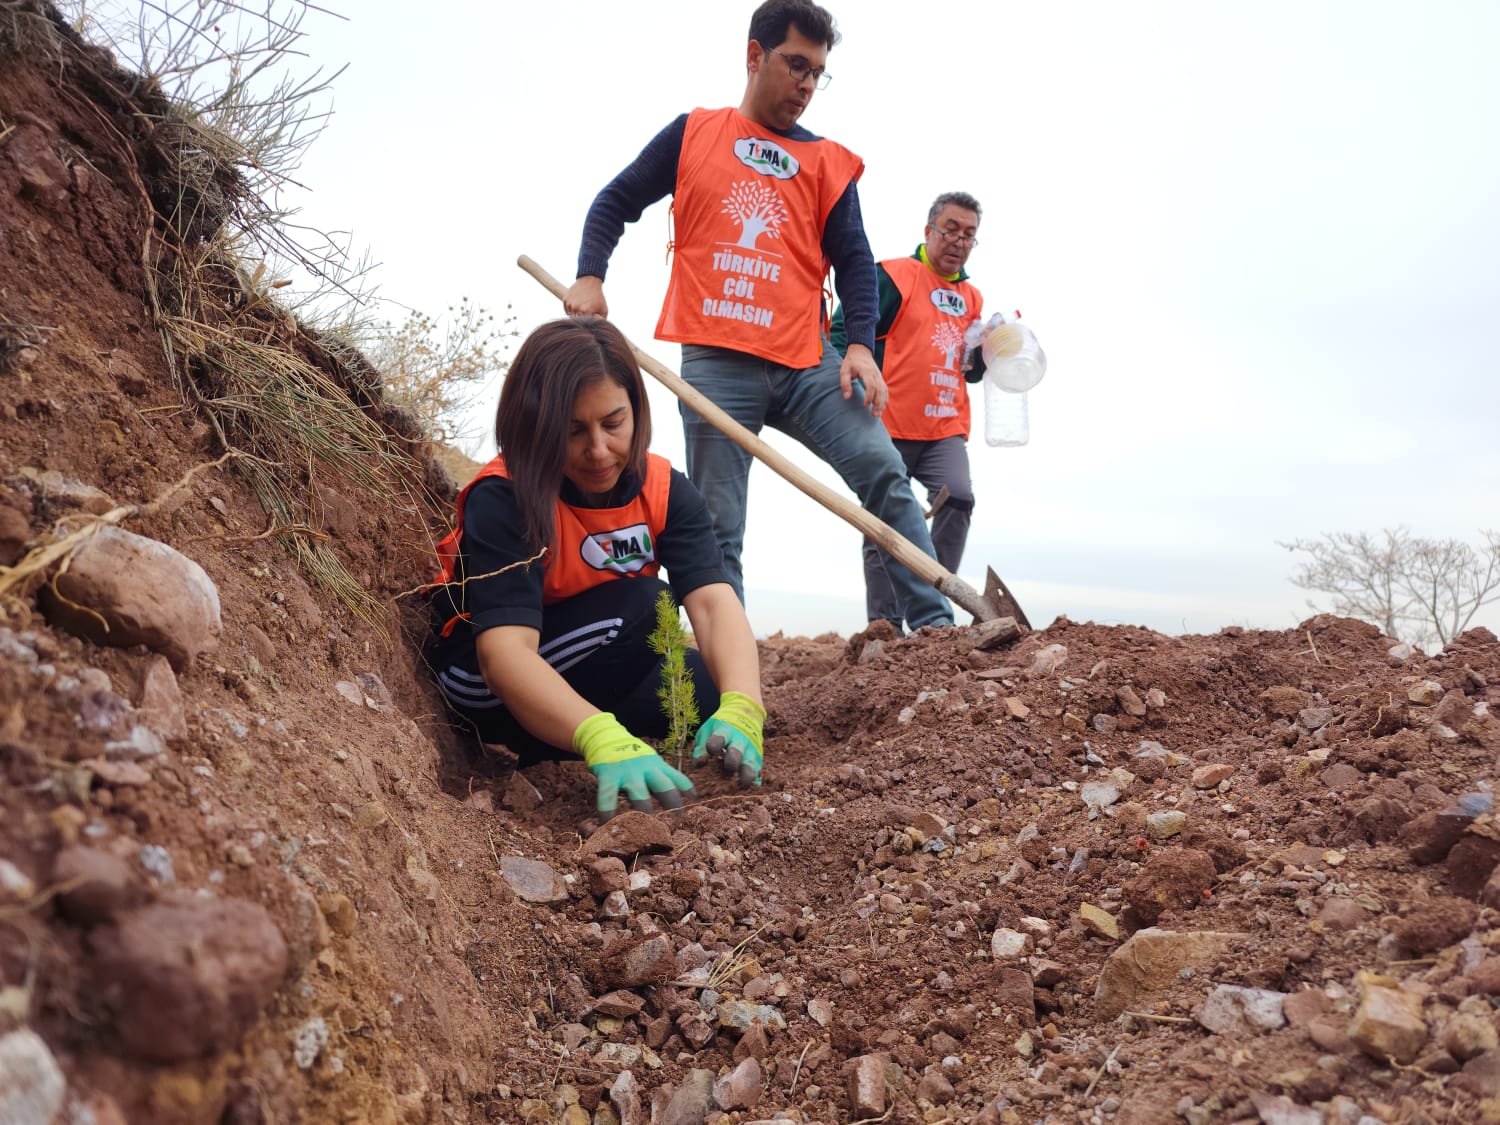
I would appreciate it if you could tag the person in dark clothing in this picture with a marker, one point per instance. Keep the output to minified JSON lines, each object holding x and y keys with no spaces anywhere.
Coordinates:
{"x":761,"y":207}
{"x":547,"y":586}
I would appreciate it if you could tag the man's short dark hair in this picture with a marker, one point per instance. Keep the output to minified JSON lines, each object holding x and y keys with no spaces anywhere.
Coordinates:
{"x":769,"y":24}
{"x":958,"y":199}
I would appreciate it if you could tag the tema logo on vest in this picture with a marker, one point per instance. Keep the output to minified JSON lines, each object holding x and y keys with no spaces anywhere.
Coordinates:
{"x":766,"y":157}
{"x":624,"y":551}
{"x":950,"y":301}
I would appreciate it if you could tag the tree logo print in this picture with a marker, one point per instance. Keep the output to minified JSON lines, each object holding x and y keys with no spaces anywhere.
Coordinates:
{"x":757,"y":209}
{"x":948,"y":338}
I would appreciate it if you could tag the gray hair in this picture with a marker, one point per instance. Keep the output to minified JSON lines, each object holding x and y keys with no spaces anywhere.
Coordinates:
{"x":958,"y":199}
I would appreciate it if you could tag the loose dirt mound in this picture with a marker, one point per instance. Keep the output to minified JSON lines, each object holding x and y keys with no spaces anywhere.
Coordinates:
{"x":1098,"y":875}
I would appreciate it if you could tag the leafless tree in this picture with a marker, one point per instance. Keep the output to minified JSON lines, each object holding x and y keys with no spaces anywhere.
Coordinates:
{"x":1418,"y":590}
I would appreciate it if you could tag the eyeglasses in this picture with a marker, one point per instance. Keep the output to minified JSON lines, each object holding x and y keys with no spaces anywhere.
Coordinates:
{"x":801,"y":69}
{"x":957,"y":237}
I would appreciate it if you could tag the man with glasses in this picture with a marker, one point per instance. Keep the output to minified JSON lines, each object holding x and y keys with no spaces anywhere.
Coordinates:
{"x":926,"y":304}
{"x":761,"y":208}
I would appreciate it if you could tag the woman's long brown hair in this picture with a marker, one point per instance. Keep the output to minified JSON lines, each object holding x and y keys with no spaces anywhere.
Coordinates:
{"x":536,"y":408}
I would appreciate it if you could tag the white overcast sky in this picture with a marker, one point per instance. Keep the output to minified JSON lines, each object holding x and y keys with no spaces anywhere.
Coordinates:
{"x":1258,"y":242}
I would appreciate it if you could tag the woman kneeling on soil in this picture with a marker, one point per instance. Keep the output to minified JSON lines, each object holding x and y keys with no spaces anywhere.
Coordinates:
{"x":550,"y":652}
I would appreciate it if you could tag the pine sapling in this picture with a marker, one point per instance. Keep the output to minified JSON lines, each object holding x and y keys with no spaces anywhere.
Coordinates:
{"x":678,"y":702}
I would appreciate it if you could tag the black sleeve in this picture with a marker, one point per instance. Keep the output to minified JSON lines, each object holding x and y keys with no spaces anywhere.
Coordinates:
{"x":848,"y":250}
{"x":492,"y":540}
{"x":890,"y":305}
{"x":975,"y":372}
{"x":650,"y":176}
{"x":687,"y":548}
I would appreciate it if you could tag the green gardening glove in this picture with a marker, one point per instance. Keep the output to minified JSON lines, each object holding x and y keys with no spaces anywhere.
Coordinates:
{"x":620,"y":760}
{"x":734,"y":734}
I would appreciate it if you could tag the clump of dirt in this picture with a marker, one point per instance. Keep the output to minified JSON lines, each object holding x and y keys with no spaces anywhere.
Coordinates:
{"x":1099,"y":874}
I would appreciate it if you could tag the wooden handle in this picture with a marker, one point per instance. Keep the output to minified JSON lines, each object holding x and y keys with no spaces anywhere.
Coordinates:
{"x":900,"y":548}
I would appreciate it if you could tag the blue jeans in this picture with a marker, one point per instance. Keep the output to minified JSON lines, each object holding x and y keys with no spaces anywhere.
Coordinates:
{"x":936,"y":464}
{"x":807,"y":405}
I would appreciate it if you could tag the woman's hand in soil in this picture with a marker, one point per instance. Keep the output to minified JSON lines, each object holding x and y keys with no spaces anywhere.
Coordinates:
{"x":734,"y":734}
{"x":619,"y":760}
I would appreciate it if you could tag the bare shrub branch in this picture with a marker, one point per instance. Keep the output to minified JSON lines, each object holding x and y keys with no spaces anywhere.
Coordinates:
{"x":436,"y":373}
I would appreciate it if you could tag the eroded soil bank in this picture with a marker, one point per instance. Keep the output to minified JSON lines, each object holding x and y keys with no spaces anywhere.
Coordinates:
{"x":250,"y":874}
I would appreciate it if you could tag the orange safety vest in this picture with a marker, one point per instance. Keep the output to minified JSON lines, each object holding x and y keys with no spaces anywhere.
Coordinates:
{"x":924,"y":349}
{"x":590,"y":545}
{"x":749,"y":210}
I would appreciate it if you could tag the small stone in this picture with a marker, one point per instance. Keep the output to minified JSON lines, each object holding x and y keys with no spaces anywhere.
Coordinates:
{"x":187,"y":977}
{"x":1209,"y":776}
{"x":371,"y":814}
{"x":123,"y":589}
{"x":739,"y":1015}
{"x":159,"y":705}
{"x":1274,"y":1110}
{"x":1047,"y":661}
{"x":1149,"y":962}
{"x":935,"y":1088}
{"x":1099,"y":922}
{"x":619,"y":1004}
{"x":692,"y":1101}
{"x":741,"y":1087}
{"x":649,"y":961}
{"x":1130,"y":702}
{"x":1330,"y":1034}
{"x":1341,"y":777}
{"x":1302,"y":1007}
{"x":820,"y":1011}
{"x":1342,"y":914}
{"x":1315,"y":718}
{"x":1008,"y":945}
{"x":1389,"y":1024}
{"x":1466,"y":1036}
{"x":1165,"y":825}
{"x":340,"y":914}
{"x":120,"y":775}
{"x":533,"y":880}
{"x":629,"y":834}
{"x":309,"y":1041}
{"x":1046,"y":974}
{"x":607,"y":874}
{"x":31,"y":1083}
{"x":98,"y":886}
{"x":754,"y":1043}
{"x":698,"y":1032}
{"x":867,"y":1085}
{"x":626,"y":1096}
{"x":15,"y":884}
{"x":1230,"y":1008}
{"x":1425,"y":692}
{"x":1480,"y":1076}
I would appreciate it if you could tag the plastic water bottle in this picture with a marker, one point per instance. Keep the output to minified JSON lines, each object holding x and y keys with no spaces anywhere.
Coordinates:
{"x":1014,"y":363}
{"x":1006,"y":421}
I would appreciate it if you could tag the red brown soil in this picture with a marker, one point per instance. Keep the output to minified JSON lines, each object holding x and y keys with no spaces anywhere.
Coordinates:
{"x":373,"y":832}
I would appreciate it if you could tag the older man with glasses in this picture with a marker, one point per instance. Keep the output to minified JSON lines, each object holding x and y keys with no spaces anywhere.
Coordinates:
{"x":926,"y":304}
{"x":761,"y":208}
